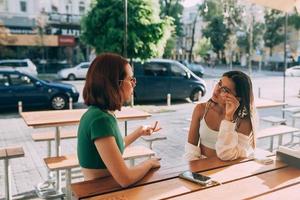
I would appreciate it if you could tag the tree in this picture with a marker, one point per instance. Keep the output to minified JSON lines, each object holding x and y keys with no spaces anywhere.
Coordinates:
{"x":243,"y":41}
{"x":273,"y":34}
{"x":174,"y":9}
{"x":294,"y":20}
{"x":218,"y":34}
{"x":103,"y":28}
{"x":204,"y":46}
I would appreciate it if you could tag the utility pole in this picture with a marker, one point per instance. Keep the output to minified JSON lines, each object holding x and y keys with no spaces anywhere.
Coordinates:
{"x":250,"y":40}
{"x":125,"y":29}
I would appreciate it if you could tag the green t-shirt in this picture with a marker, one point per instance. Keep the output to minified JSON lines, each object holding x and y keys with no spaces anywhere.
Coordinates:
{"x":96,"y":123}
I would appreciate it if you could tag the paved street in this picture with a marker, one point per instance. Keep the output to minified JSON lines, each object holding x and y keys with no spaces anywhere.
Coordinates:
{"x":174,"y":120}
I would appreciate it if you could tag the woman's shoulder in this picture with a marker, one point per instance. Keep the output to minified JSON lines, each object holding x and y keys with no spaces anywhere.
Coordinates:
{"x":200,"y":109}
{"x":96,"y":114}
{"x":245,"y":126}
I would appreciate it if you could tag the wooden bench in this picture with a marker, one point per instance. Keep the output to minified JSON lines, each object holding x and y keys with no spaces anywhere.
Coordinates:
{"x":71,"y":161}
{"x":294,"y":117}
{"x":6,"y":154}
{"x":274,"y":120}
{"x":50,"y":136}
{"x":292,"y":110}
{"x":276,"y":131}
{"x":152,"y":138}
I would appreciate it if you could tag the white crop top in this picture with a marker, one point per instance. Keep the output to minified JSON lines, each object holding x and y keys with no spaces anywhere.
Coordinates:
{"x":228,"y":143}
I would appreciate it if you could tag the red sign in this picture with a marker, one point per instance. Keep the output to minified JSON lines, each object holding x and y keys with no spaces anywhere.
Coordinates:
{"x":66,"y":40}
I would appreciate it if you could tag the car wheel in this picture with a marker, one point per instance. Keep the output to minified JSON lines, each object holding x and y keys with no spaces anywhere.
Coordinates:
{"x":59,"y":102}
{"x":71,"y":77}
{"x":195,"y":95}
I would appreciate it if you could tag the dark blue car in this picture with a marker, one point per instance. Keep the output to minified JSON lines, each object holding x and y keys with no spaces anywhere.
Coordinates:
{"x":158,"y":77}
{"x":17,"y":86}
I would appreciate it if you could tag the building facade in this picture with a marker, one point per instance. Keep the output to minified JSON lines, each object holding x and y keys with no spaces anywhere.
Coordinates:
{"x":46,"y":31}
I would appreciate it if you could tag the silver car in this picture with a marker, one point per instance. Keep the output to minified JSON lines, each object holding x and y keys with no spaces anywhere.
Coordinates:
{"x":77,"y":72}
{"x":21,"y":65}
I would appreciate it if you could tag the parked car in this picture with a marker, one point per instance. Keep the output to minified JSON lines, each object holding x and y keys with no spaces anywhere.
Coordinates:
{"x":293,"y":71}
{"x":196,"y":68}
{"x":77,"y":72}
{"x":158,"y":77}
{"x":18,"y":86}
{"x":23,"y":65}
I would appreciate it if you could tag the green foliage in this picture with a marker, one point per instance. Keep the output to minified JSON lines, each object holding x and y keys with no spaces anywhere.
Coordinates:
{"x":170,"y":47}
{"x":243,"y":41}
{"x":294,"y":20}
{"x":273,"y":34}
{"x":103,"y":28}
{"x":217,"y":32}
{"x":204,"y":46}
{"x":174,"y":9}
{"x":210,"y":9}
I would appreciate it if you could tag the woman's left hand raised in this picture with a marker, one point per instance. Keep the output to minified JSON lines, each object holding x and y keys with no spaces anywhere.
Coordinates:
{"x":148,"y":130}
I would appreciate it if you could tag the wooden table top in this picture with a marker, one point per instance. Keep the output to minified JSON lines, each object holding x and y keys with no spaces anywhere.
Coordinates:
{"x":69,"y":117}
{"x":266,"y":103}
{"x":239,"y":180}
{"x":163,"y":175}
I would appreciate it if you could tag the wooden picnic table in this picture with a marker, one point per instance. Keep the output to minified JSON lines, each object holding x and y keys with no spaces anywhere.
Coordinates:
{"x":267,"y":103}
{"x":59,"y":118}
{"x":165,"y":183}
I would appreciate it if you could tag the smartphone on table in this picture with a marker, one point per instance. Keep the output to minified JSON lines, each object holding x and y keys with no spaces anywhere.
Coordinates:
{"x":195,"y":177}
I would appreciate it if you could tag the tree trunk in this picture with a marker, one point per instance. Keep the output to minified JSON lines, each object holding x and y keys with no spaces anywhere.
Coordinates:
{"x":193,"y":37}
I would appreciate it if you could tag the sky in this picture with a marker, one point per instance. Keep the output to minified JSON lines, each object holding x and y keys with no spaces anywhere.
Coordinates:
{"x":189,"y":3}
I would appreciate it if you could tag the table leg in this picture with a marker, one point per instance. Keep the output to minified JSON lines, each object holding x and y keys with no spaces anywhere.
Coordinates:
{"x":280,"y":140}
{"x":125,"y":123}
{"x":58,"y":153}
{"x":68,"y":184}
{"x":7,"y":179}
{"x":271,"y":144}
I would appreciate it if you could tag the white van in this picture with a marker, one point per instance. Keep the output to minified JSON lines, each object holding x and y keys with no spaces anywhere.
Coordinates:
{"x":22,"y":65}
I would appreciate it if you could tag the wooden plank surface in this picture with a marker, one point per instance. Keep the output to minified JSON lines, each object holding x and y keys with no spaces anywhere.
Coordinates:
{"x":290,"y":193}
{"x":2,"y":153}
{"x":249,"y":187}
{"x":178,"y":186}
{"x":14,"y":151}
{"x":108,"y":184}
{"x":71,"y":117}
{"x":266,"y":103}
{"x":133,"y":152}
{"x":71,"y":161}
{"x":46,"y":136}
{"x":276,"y":130}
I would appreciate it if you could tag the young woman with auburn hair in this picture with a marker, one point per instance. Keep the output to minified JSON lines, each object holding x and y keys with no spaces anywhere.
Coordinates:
{"x":109,"y":83}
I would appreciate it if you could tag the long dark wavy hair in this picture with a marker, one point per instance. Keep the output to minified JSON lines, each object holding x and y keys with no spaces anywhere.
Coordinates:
{"x":243,"y":88}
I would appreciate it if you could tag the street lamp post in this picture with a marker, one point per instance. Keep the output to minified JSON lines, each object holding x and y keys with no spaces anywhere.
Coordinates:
{"x":125,"y":28}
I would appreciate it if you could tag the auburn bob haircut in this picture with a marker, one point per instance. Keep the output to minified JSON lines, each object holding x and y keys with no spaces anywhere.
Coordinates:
{"x":102,"y":87}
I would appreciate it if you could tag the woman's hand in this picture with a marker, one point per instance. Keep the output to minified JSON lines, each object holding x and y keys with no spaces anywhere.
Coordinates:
{"x":154,"y":162}
{"x":148,"y":130}
{"x":231,"y":105}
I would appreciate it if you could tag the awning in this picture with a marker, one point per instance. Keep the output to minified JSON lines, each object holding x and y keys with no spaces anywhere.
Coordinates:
{"x":282,"y":5}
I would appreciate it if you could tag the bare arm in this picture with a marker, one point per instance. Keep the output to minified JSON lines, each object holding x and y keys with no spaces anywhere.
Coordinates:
{"x":133,"y":136}
{"x":142,"y":130}
{"x":228,"y":146}
{"x":198,"y":112}
{"x":111,"y":156}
